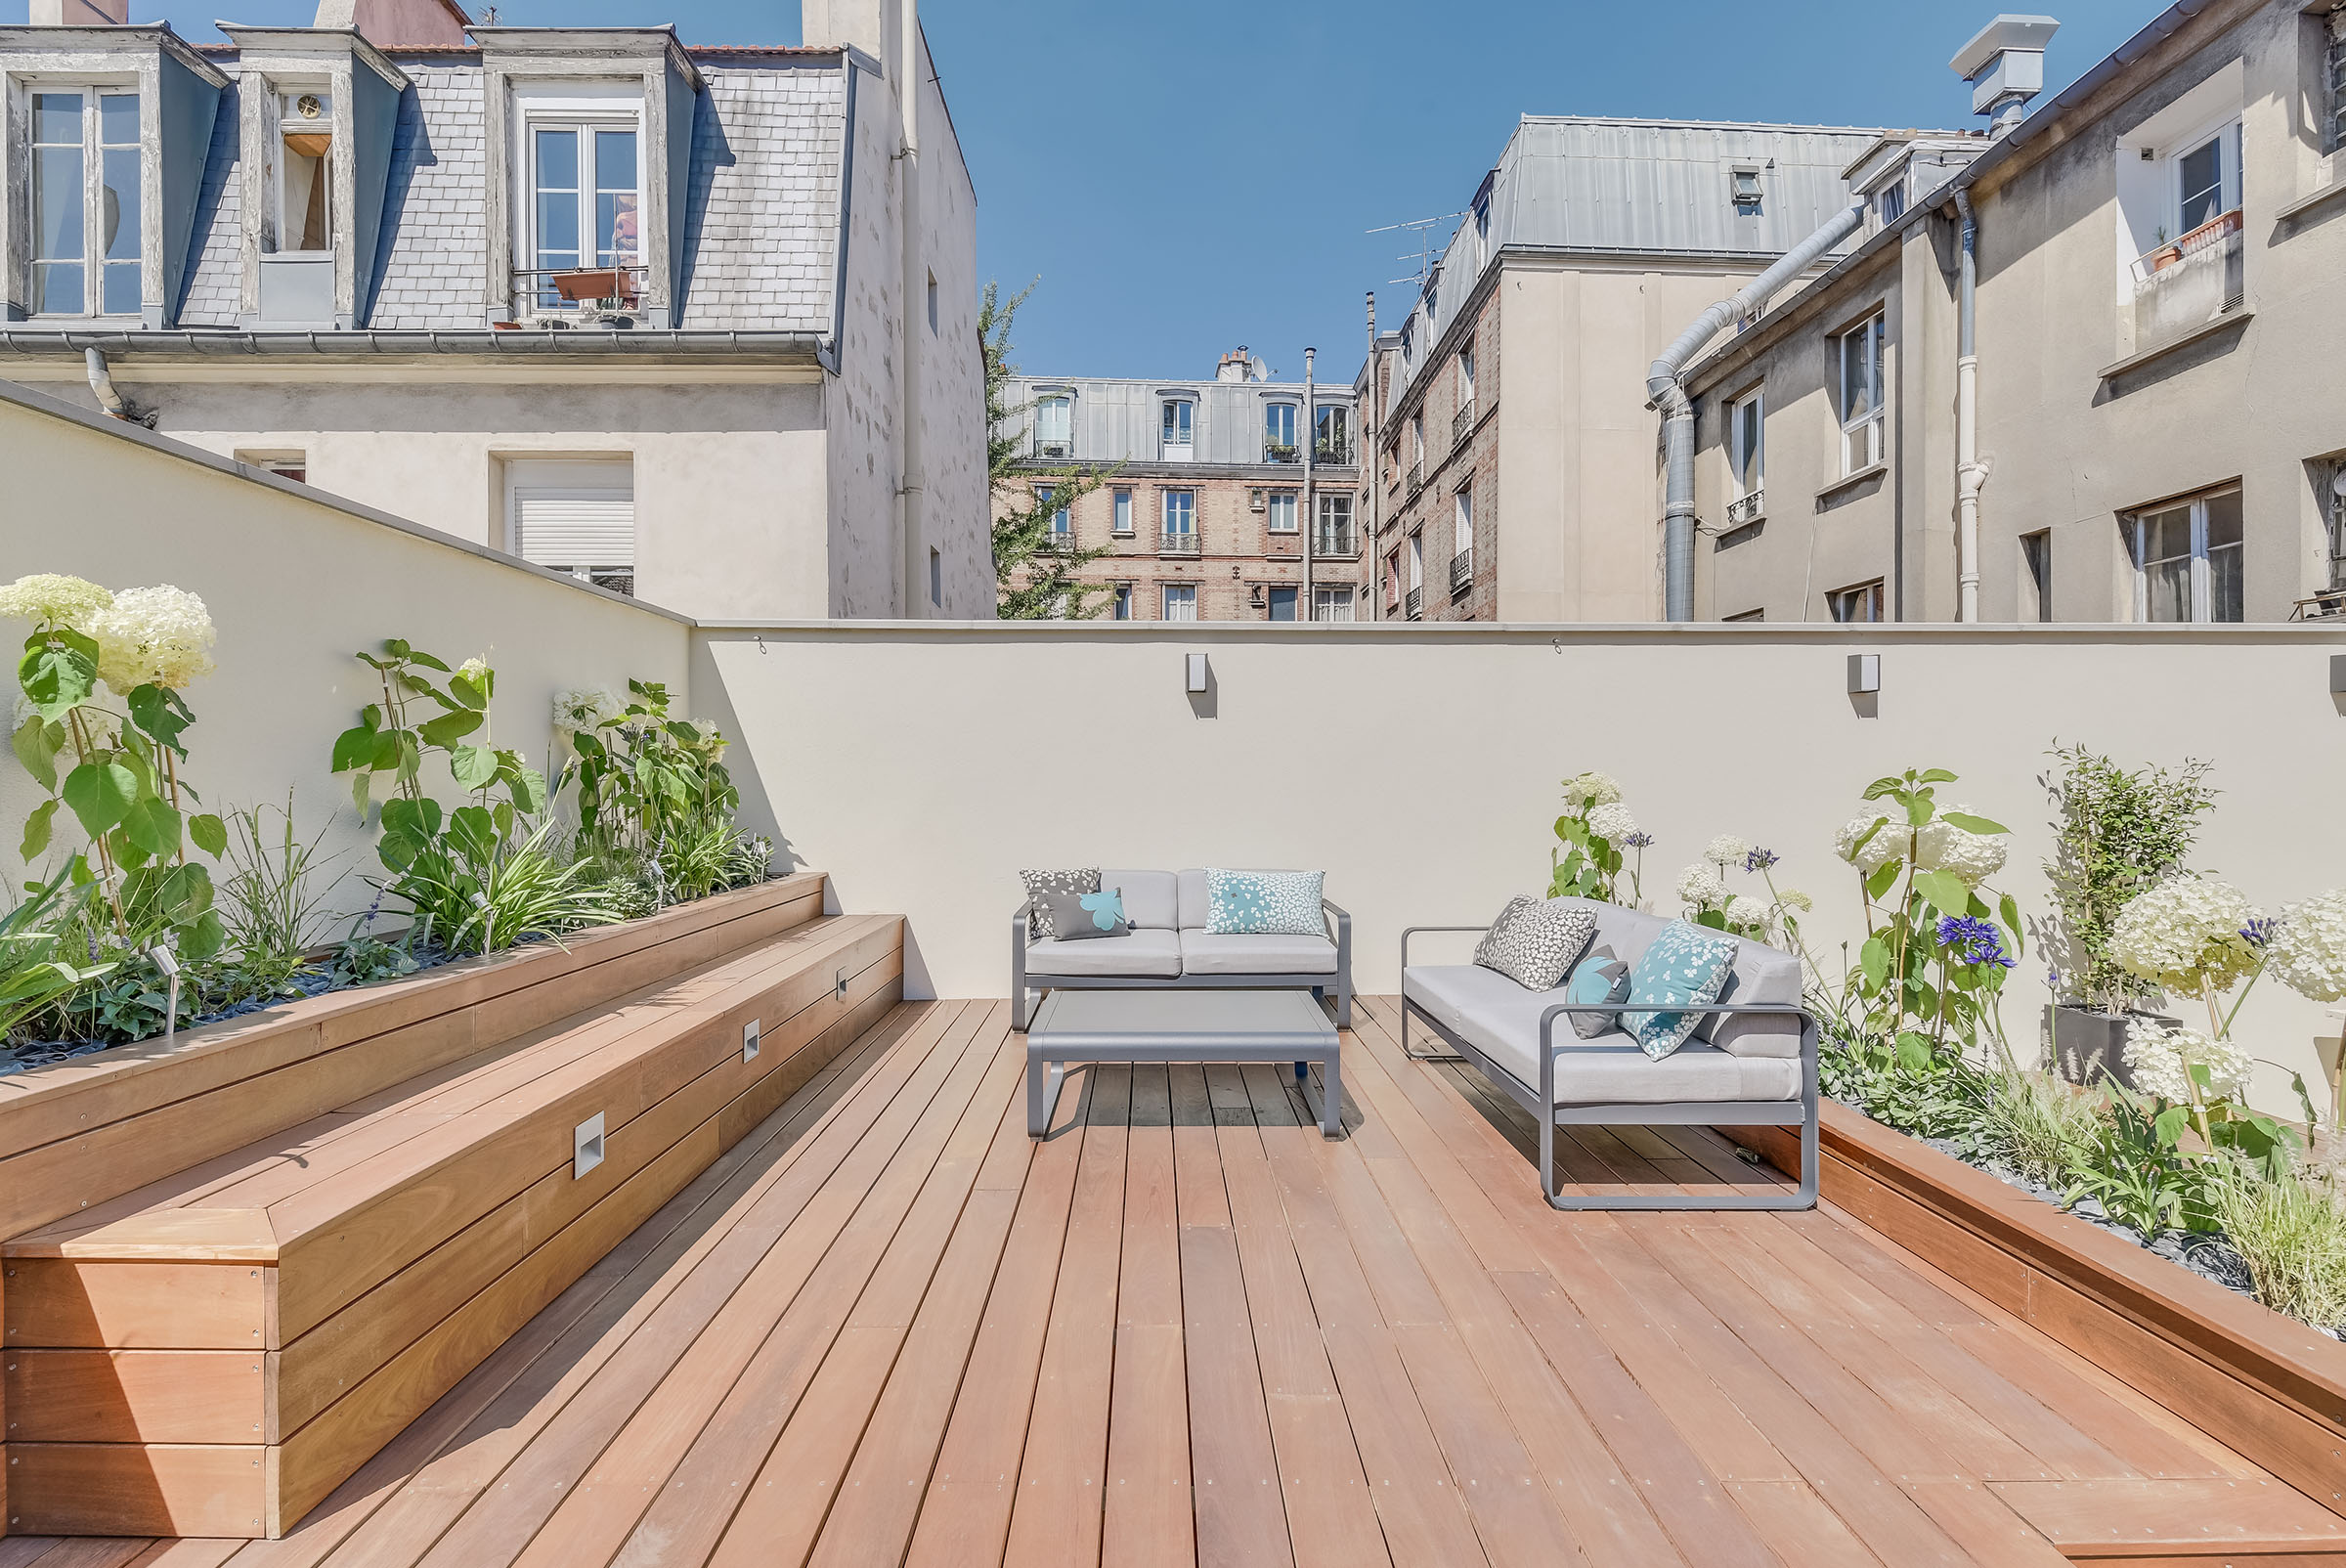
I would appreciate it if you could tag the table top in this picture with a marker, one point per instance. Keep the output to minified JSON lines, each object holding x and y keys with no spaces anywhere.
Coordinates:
{"x":1132,"y":1018}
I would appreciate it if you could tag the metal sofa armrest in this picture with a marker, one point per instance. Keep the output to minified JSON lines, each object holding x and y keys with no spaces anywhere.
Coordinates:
{"x":1414,"y":931}
{"x":1340,"y":918}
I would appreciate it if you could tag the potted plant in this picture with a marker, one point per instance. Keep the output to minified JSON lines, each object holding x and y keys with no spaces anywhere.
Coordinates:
{"x":2120,"y":831}
{"x":2165,"y":252}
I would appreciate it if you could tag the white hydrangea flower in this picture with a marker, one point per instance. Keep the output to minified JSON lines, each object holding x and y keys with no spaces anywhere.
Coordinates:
{"x":1793,"y":899}
{"x":1700,"y":885}
{"x":472,"y":670}
{"x":1726,"y":850}
{"x":50,"y":596}
{"x":1941,"y":846}
{"x":1591,"y":789}
{"x":1747,"y":912}
{"x":2183,"y":930}
{"x":2308,"y":954}
{"x":159,"y":635}
{"x":1612,"y":822}
{"x":585,"y":708}
{"x":1886,"y":846}
{"x":2160,"y":1059}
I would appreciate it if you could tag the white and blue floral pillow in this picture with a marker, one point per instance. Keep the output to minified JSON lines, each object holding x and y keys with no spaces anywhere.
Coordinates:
{"x":1681,"y":972}
{"x":1264,"y":904}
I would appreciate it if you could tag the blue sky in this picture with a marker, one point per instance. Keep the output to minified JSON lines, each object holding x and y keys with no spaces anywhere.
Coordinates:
{"x":1182,"y":176}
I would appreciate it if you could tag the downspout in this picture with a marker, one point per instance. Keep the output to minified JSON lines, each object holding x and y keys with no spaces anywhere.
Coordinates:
{"x":1971,"y":474}
{"x":102,"y":384}
{"x":914,"y":482}
{"x":1662,"y":385}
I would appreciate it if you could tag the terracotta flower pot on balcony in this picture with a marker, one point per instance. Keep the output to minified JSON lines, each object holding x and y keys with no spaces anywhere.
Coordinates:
{"x":2165,"y":256}
{"x":590,"y":283}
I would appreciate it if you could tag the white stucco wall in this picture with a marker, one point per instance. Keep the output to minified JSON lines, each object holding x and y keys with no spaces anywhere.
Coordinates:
{"x":904,"y":762}
{"x":861,"y":404}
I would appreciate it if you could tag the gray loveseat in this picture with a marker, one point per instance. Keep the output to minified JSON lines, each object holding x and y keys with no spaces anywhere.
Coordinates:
{"x":1750,"y":1062}
{"x":1169,"y":947}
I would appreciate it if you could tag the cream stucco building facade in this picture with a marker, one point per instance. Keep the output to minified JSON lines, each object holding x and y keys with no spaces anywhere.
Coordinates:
{"x":621,"y":306}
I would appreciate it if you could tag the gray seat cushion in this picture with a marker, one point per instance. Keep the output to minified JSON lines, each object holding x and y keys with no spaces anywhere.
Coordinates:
{"x":1193,"y":899}
{"x":1144,"y":955}
{"x":1501,"y":1020}
{"x":1201,"y":955}
{"x":1760,"y":975}
{"x":1150,"y":900}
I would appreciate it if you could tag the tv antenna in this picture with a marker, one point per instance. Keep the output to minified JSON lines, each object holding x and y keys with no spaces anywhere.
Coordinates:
{"x":1427,"y":251}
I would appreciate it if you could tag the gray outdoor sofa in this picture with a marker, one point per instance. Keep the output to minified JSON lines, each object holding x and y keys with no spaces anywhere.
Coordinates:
{"x":1170,"y":948}
{"x":1750,"y":1062}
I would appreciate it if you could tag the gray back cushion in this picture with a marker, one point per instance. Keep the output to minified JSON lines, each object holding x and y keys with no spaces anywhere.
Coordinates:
{"x":1193,"y":901}
{"x":1151,"y":900}
{"x":1760,"y":975}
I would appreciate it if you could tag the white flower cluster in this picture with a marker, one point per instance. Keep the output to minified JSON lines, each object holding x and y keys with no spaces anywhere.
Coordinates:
{"x":67,"y":602}
{"x":1591,"y":789}
{"x":1702,"y":887}
{"x":1941,"y":846}
{"x":2184,"y":930}
{"x":157,"y":636}
{"x":1793,"y":899}
{"x":1887,"y":844}
{"x":585,"y":708}
{"x":1751,"y":913}
{"x":2308,"y":955}
{"x":2160,"y":1058}
{"x":1612,"y":822}
{"x":474,"y":670}
{"x":1726,"y":850}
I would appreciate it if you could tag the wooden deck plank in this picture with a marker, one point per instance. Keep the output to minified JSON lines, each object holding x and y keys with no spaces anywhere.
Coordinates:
{"x":1148,"y":1518}
{"x":2145,"y":1517}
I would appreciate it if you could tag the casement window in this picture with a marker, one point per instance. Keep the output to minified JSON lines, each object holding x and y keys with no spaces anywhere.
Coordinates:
{"x":1180,"y":514}
{"x":2206,"y":180}
{"x":1181,"y":601}
{"x":1055,"y":425}
{"x":1891,"y":203}
{"x":303,"y":180}
{"x":1860,"y":603}
{"x":2036,"y":575}
{"x":1393,"y":578}
{"x":1417,"y":562}
{"x":584,"y":177}
{"x":1331,"y":604}
{"x":1283,"y":511}
{"x":574,"y":516}
{"x":1120,"y":604}
{"x":1063,"y":526}
{"x":2187,"y":559}
{"x":1281,"y":604}
{"x":1175,"y":419}
{"x":85,"y":197}
{"x":1279,"y":432}
{"x":1466,"y":376}
{"x":1331,"y":436}
{"x":1462,"y":526}
{"x":1334,"y":535}
{"x":1747,"y":443}
{"x":1858,"y":353}
{"x":1481,"y":233}
{"x":1417,"y":438}
{"x":1122,"y":519}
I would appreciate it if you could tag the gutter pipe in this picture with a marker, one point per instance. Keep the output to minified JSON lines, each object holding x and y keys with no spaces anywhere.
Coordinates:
{"x":913,"y":293}
{"x":1663,"y":387}
{"x":1971,"y":474}
{"x":102,"y":384}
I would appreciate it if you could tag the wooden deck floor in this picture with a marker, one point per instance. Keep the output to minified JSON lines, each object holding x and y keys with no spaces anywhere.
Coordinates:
{"x":888,"y":1328}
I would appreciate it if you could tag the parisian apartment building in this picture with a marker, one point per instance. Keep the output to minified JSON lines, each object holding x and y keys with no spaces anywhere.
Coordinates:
{"x":2149,"y":363}
{"x":1513,"y":473}
{"x":635,"y":310}
{"x":1228,"y":498}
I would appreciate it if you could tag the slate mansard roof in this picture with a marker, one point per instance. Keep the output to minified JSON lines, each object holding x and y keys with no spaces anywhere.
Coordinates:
{"x":760,"y":211}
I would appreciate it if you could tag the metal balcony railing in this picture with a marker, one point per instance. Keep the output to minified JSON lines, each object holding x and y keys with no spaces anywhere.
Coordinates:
{"x":2189,"y":281}
{"x":594,"y":296}
{"x":1274,"y":452}
{"x":1462,"y":573}
{"x":1335,"y":454}
{"x":1064,"y":542}
{"x":1748,"y":507}
{"x":1462,"y":423}
{"x":1335,"y":543}
{"x":1172,"y":544}
{"x":1415,"y":603}
{"x":1057,"y":449}
{"x":1416,"y":478}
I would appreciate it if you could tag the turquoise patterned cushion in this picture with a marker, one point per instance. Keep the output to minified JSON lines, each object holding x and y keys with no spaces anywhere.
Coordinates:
{"x":1263,"y":903}
{"x":1683,"y":971}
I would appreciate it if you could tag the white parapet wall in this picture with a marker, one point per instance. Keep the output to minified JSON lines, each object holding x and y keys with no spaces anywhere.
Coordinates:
{"x":1419,"y":767}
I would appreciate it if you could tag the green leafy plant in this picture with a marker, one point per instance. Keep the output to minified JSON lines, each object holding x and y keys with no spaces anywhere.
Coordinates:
{"x":2042,"y":1127}
{"x":270,"y":906}
{"x":2136,"y":1168}
{"x":365,"y":959}
{"x":1599,"y":844}
{"x":1035,"y":574}
{"x":654,"y":798}
{"x":34,"y":973}
{"x":132,"y":1002}
{"x":482,"y":895}
{"x":2121,"y":831}
{"x":2292,"y":1233}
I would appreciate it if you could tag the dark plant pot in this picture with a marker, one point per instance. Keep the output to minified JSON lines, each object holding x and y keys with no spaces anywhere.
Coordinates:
{"x":2089,"y":1044}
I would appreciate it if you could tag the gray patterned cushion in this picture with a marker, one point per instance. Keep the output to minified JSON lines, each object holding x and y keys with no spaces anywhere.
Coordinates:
{"x":1038,"y":883}
{"x":1075,"y":916}
{"x":1533,"y":941}
{"x":1597,"y":979}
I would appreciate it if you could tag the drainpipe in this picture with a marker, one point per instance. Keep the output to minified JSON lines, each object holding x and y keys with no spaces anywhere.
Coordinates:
{"x":910,"y":510}
{"x":102,"y":384}
{"x":1969,"y":472}
{"x":1306,"y":520}
{"x":1677,"y":413}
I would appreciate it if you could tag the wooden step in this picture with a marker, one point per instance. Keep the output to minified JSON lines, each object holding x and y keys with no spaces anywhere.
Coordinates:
{"x":212,"y":1353}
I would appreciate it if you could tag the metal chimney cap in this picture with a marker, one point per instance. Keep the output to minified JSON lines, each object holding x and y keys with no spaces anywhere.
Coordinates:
{"x":2005,"y":32}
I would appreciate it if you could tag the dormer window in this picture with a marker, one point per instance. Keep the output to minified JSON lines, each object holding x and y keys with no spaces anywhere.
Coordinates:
{"x":1743,"y":187}
{"x":305,"y":174}
{"x":583,"y":217}
{"x":85,"y":201}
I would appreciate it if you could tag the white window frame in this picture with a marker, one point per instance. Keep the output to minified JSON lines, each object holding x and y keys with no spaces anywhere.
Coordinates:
{"x":1870,"y":426}
{"x":1331,"y":604}
{"x":1120,"y":601}
{"x":1064,"y":403}
{"x":1336,"y":417}
{"x":1176,"y":433}
{"x":1063,"y":526}
{"x":288,"y":94}
{"x":1747,"y":443}
{"x":1272,"y":409}
{"x":1289,"y":503}
{"x":93,"y":148}
{"x":1466,"y":372}
{"x":1418,"y":560}
{"x":1461,"y":523}
{"x":1868,"y":596}
{"x":1184,"y":502}
{"x":585,"y":107}
{"x":1180,"y":597}
{"x":1417,"y":438}
{"x":2201,"y":568}
{"x":1120,"y":516}
{"x":2225,"y":137}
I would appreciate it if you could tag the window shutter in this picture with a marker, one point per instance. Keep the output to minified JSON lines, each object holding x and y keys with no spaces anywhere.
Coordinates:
{"x":574,"y":527}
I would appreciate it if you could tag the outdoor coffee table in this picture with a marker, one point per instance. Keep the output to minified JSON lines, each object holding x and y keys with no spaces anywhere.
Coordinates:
{"x":1143,"y":1025}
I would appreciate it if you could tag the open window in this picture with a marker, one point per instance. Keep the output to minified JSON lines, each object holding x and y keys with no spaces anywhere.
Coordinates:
{"x":580,"y":214}
{"x":303,"y":194}
{"x":1858,"y":356}
{"x":1747,"y":459}
{"x":1176,"y":428}
{"x":85,"y":199}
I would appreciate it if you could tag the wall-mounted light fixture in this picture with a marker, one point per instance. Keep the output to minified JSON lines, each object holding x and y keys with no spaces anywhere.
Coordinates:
{"x":1196,"y":667}
{"x":1865,"y":675}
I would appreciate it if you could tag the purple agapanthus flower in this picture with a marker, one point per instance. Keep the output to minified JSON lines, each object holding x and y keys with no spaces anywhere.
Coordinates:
{"x":1639,"y":840}
{"x":2260,"y":930}
{"x":1758,"y":860}
{"x":1973,"y":942}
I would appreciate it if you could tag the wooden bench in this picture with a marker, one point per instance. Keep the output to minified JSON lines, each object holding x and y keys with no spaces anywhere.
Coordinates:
{"x":211,"y":1353}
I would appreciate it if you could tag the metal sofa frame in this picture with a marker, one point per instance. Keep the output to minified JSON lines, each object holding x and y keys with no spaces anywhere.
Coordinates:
{"x":1339,"y":920}
{"x":1540,"y":1102}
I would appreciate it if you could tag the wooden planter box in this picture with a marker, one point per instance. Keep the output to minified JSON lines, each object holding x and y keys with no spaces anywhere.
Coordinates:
{"x":2267,"y":1385}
